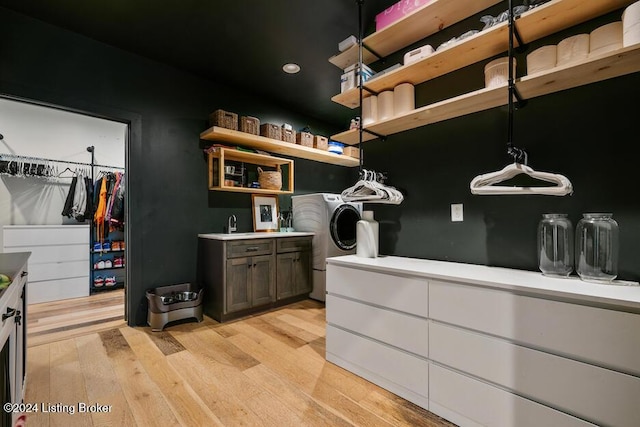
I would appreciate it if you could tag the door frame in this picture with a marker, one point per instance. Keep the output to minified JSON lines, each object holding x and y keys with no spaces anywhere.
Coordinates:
{"x":133,"y":138}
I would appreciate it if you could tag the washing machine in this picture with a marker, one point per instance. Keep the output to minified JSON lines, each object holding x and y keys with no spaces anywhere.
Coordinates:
{"x":334,"y":223}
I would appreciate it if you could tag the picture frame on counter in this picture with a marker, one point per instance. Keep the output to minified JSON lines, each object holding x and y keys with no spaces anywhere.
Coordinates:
{"x":265,"y":212}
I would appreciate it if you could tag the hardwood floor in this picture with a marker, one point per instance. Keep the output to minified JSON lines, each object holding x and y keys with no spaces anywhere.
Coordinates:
{"x":58,"y":320}
{"x":264,"y":370}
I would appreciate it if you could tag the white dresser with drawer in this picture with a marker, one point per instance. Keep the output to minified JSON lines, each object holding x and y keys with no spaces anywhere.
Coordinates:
{"x":59,"y":263}
{"x":484,"y":346}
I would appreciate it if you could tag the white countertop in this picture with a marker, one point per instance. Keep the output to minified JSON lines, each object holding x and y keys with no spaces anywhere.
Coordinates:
{"x":620,"y":293}
{"x":254,"y":235}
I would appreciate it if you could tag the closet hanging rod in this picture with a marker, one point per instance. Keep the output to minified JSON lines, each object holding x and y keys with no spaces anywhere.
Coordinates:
{"x":14,"y":157}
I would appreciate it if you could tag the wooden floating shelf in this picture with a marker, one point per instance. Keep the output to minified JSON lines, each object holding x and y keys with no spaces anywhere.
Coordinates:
{"x":219,"y":156}
{"x":609,"y":65}
{"x":219,"y":134}
{"x":540,"y":22}
{"x":420,"y":24}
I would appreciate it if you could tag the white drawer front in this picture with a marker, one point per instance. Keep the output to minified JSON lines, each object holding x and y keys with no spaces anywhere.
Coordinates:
{"x":54,"y":290}
{"x":40,"y":254}
{"x":600,"y":336}
{"x":400,"y":330}
{"x":42,"y":235}
{"x":596,"y":394}
{"x":58,"y":270}
{"x":376,"y":360}
{"x":469,"y":402}
{"x":399,"y":293}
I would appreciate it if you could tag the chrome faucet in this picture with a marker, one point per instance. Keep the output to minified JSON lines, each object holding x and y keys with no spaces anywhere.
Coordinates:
{"x":232,"y":224}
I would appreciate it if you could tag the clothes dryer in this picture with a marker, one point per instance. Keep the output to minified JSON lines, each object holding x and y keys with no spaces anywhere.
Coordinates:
{"x":334,"y":223}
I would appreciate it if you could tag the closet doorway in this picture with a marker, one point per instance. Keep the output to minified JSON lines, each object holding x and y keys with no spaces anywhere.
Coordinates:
{"x":57,"y":169}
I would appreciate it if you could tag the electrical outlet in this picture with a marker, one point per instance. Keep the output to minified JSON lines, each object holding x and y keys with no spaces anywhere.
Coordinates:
{"x":456,"y":212}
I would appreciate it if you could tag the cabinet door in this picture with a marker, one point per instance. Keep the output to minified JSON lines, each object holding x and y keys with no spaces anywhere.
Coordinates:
{"x":303,"y":273}
{"x":286,"y":272}
{"x":238,"y":285}
{"x":262,"y":280}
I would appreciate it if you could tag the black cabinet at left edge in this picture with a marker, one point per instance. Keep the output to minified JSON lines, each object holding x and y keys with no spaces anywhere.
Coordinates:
{"x":13,"y":355}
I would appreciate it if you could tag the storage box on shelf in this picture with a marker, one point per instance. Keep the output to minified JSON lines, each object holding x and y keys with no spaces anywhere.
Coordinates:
{"x":320,"y":142}
{"x":271,"y":145}
{"x":250,"y":125}
{"x":351,"y":151}
{"x":270,"y":130}
{"x":219,"y":157}
{"x":532,"y":25}
{"x":224,"y":119}
{"x":304,"y":138}
{"x":288,"y":135}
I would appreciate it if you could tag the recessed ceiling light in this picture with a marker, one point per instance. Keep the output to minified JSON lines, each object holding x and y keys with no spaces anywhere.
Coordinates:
{"x":291,"y":68}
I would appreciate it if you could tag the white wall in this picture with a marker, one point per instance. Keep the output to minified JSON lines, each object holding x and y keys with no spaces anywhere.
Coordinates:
{"x":42,"y":132}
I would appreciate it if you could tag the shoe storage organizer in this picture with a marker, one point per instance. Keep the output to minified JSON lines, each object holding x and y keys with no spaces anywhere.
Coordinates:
{"x":173,"y":302}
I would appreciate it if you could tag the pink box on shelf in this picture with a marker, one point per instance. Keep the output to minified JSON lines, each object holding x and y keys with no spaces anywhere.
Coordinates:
{"x":398,"y":11}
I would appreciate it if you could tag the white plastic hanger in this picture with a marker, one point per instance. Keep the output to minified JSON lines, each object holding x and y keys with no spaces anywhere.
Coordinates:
{"x":483,"y":184}
{"x":369,"y":189}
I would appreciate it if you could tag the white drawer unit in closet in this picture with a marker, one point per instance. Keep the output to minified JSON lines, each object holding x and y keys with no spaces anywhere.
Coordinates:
{"x":59,"y":262}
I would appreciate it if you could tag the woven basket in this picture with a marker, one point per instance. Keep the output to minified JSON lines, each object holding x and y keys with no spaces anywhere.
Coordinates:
{"x":224,"y":119}
{"x":270,"y":180}
{"x":250,"y":124}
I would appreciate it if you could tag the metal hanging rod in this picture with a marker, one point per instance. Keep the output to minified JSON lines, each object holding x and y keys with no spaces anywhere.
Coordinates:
{"x":14,"y":157}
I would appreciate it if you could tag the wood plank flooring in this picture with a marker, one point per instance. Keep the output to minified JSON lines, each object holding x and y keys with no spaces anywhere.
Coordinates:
{"x":263,"y":370}
{"x":58,"y":320}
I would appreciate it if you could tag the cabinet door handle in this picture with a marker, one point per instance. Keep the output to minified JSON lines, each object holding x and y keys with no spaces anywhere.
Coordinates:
{"x":253,"y":249}
{"x":24,"y":273}
{"x":10,"y":313}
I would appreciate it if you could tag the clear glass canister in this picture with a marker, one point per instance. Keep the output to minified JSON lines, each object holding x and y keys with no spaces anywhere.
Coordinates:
{"x":597,"y":247}
{"x":555,"y":245}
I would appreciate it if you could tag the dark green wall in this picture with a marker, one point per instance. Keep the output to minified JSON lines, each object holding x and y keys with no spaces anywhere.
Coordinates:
{"x":169,"y":203}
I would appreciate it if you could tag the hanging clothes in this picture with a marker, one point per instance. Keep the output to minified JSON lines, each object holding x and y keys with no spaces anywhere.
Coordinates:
{"x":68,"y":204}
{"x":80,"y":198}
{"x":101,"y":210}
{"x":116,"y":220}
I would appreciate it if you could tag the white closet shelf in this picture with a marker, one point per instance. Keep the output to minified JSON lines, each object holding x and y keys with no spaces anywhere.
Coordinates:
{"x":602,"y":67}
{"x":537,"y":23}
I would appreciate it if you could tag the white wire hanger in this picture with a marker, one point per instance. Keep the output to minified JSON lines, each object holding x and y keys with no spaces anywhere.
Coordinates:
{"x":484,"y":184}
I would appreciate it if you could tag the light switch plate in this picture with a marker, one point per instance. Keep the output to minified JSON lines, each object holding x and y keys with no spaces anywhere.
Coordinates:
{"x":456,"y":212}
